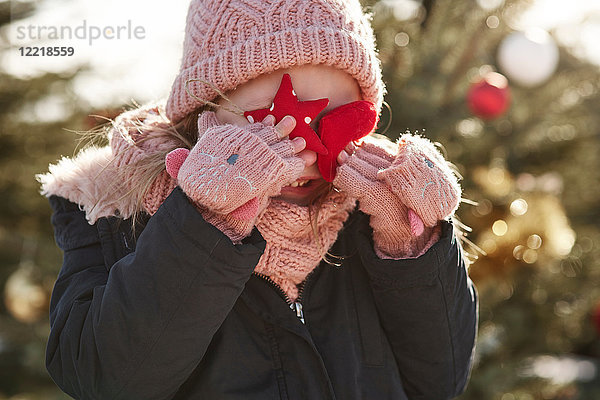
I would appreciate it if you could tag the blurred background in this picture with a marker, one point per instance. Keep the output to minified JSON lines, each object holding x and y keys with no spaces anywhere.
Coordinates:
{"x":509,"y":87}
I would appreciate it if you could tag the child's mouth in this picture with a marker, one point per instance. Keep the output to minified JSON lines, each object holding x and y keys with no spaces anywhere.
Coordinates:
{"x":303,"y":186}
{"x":300,"y":183}
{"x":305,"y":183}
{"x":301,"y":190}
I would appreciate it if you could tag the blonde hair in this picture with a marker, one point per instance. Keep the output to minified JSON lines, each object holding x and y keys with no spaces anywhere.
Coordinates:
{"x":140,"y":138}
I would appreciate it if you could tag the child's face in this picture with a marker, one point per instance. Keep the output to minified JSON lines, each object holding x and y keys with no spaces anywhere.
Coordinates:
{"x":310,"y":82}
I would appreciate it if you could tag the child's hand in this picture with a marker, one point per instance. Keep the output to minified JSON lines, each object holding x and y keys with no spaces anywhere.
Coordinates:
{"x":234,"y":169}
{"x":422,"y":179}
{"x":405,"y":194}
{"x":357,"y":176}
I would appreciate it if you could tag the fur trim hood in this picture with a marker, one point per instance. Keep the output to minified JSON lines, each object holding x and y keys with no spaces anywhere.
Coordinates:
{"x":98,"y":178}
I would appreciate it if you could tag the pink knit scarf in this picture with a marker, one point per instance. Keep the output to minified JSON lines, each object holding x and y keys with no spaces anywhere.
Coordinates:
{"x":293,"y":248}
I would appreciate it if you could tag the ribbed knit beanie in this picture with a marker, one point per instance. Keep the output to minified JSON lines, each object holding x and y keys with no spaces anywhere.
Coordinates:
{"x":229,"y":42}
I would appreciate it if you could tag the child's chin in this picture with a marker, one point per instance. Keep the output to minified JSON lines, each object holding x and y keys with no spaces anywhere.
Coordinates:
{"x":301,"y":200}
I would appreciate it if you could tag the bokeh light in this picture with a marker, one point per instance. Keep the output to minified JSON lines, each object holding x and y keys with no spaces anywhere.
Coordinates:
{"x":500,"y":227}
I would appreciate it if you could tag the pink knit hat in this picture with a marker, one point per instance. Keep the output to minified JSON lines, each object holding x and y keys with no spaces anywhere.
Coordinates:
{"x":229,"y":42}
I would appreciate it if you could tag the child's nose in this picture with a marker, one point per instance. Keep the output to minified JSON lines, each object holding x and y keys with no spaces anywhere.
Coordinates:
{"x":309,"y":157}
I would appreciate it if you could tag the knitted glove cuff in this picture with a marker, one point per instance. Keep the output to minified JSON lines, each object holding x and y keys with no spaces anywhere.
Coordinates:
{"x":235,"y":229}
{"x":388,"y":244}
{"x":423,"y":180}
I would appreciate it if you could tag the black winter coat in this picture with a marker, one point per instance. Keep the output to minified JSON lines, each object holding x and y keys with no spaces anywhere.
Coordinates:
{"x":177,"y":313}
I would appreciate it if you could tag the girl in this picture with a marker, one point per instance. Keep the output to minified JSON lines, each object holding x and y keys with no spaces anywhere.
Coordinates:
{"x":224,"y":246}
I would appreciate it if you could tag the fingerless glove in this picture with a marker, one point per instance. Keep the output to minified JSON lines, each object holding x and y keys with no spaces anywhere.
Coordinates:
{"x":232,"y":171}
{"x":406,"y":189}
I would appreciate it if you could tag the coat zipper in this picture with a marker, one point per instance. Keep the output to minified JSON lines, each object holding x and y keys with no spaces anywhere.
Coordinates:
{"x":295,"y":306}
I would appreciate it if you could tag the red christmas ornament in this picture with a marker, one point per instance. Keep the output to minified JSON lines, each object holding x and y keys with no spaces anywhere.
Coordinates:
{"x":286,"y":103}
{"x":490,"y":97}
{"x":337,"y":128}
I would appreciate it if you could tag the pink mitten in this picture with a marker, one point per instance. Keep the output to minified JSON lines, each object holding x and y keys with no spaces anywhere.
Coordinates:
{"x":423,"y":180}
{"x":357,"y":176}
{"x":232,"y":170}
{"x":398,"y":229}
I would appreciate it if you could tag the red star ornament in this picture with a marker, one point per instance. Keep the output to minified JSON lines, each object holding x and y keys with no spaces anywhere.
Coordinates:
{"x":286,"y":103}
